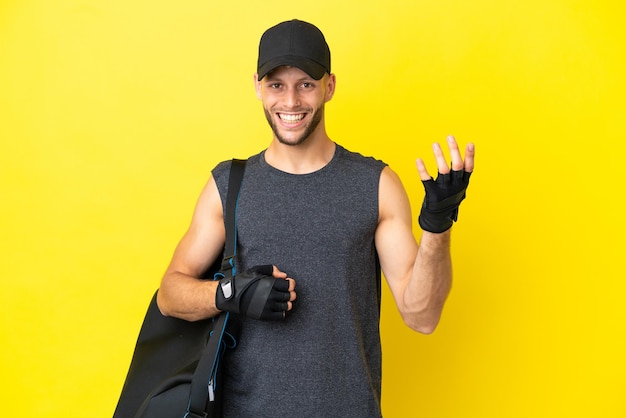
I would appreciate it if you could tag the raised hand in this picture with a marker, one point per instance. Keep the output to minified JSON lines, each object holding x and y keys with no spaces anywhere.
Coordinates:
{"x":444,"y":195}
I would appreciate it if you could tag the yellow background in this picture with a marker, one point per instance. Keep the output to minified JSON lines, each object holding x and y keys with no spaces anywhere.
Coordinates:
{"x":112,"y":114}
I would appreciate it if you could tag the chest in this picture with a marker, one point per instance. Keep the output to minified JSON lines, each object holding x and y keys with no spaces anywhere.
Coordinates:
{"x":331,"y":213}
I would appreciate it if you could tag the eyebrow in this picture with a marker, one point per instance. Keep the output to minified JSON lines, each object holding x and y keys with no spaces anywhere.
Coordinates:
{"x":272,"y":79}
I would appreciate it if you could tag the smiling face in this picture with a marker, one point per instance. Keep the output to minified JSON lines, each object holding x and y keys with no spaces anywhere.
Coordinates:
{"x":294,"y":103}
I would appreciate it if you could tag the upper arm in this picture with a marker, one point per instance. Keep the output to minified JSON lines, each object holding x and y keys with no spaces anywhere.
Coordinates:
{"x":395,"y":242}
{"x":204,"y":240}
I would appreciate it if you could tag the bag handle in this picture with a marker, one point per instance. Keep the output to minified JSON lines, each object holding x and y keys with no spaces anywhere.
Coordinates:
{"x":203,"y":382}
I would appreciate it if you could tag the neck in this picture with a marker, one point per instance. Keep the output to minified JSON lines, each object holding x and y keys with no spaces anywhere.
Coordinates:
{"x":308,"y":157}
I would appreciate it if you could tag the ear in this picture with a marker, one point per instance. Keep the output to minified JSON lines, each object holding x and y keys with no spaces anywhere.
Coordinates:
{"x":330,"y":87}
{"x":257,"y":85}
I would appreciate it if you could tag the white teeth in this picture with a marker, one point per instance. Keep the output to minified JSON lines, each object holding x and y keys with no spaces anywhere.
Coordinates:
{"x":291,"y":118}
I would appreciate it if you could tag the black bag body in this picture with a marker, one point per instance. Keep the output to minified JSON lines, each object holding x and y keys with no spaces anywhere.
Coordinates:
{"x":175,"y":370}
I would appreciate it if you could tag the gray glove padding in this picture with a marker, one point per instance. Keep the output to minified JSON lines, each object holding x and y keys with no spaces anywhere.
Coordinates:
{"x":254,"y":293}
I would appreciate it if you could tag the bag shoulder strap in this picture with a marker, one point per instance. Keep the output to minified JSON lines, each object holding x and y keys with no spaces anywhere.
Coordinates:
{"x":203,"y":382}
{"x":237,"y":170}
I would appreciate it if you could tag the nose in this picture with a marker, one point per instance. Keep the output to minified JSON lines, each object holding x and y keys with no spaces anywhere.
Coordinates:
{"x":292,"y":98}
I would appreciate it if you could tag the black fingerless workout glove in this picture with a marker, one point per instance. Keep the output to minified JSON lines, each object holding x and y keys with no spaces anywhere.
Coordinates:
{"x":441,"y":203}
{"x":254,"y":293}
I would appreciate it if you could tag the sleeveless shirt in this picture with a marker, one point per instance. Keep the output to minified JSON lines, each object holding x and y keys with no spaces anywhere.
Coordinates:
{"x":324,"y":358}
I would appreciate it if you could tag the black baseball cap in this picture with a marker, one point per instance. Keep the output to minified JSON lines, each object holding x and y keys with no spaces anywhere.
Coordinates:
{"x":295,"y":43}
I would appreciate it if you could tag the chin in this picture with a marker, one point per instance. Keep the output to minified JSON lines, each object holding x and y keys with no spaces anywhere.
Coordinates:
{"x":291,"y":141}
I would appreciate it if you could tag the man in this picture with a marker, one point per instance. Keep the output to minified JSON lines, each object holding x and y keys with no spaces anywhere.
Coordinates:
{"x":326,"y":219}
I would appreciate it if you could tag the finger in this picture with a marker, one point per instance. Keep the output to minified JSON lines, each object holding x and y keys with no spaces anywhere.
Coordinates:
{"x":455,"y":155}
{"x":421,"y":169}
{"x":281,"y":285}
{"x":469,"y":157}
{"x":442,"y":164}
{"x":278,"y":306}
{"x":277,"y":273}
{"x":286,"y":288}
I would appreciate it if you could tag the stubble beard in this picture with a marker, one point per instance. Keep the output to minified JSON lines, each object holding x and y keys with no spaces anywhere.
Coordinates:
{"x":309,"y":129}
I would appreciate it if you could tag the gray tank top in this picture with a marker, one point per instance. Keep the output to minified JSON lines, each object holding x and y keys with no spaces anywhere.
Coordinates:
{"x":324,"y":359}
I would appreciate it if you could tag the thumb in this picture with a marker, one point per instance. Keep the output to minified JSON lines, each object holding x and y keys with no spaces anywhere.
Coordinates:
{"x":277,"y":273}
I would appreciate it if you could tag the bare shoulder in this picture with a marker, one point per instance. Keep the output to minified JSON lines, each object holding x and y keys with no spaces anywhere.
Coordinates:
{"x":210,"y":194}
{"x":393,"y":200}
{"x":389,"y":179}
{"x":205,"y":237}
{"x":209,"y":206}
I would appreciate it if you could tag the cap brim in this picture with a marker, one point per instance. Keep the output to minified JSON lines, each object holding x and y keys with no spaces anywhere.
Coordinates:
{"x":312,"y":68}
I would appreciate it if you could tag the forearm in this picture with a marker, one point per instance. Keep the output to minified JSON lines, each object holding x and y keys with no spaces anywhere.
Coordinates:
{"x":187,"y":297}
{"x":430,"y":283}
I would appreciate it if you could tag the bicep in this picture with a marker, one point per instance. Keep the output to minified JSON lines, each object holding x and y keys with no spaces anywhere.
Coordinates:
{"x":395,"y":242}
{"x":204,"y":240}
